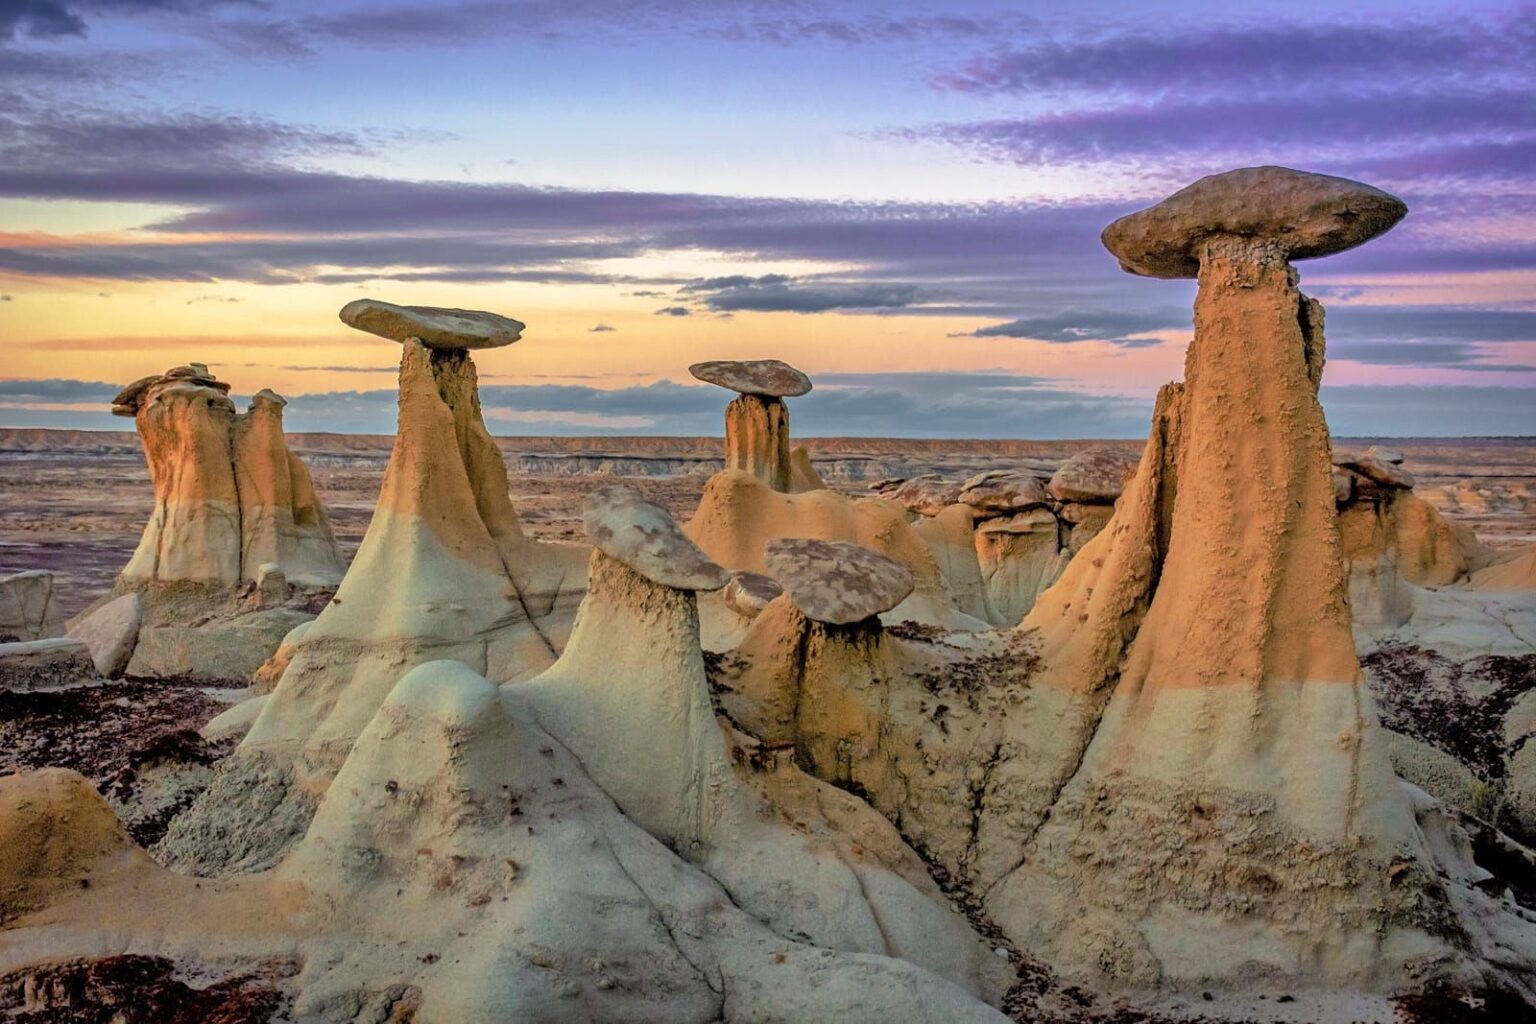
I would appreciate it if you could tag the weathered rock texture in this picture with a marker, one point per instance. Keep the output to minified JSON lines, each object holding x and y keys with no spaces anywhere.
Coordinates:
{"x":757,"y":422}
{"x":44,"y":664}
{"x":1238,"y":696}
{"x":236,"y":543}
{"x":448,"y":330}
{"x":27,"y":608}
{"x":738,"y":514}
{"x":444,"y":571}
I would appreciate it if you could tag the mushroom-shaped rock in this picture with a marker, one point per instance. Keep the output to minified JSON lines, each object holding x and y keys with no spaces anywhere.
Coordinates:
{"x":1387,"y":474}
{"x":1003,"y":491}
{"x":835,"y":582}
{"x":643,"y":536}
{"x":748,"y":593}
{"x":766,"y":378}
{"x":927,"y":495}
{"x":1385,"y":454}
{"x":433,"y":326}
{"x":1094,"y":475}
{"x":757,"y":423}
{"x":1304,"y":215}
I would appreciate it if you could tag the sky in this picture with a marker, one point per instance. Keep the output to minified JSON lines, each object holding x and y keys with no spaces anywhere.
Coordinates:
{"x":904,"y":200}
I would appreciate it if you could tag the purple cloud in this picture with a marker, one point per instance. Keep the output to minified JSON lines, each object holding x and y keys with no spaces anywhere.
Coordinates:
{"x":1257,"y":57}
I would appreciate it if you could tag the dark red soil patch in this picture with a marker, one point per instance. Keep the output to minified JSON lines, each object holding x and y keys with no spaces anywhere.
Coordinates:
{"x":132,"y":990}
{"x":97,"y":730}
{"x":1458,"y":707}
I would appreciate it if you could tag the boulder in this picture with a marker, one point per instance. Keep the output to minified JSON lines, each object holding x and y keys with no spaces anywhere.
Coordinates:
{"x":1094,"y":476}
{"x":45,"y":664}
{"x":748,"y":593}
{"x":27,"y":608}
{"x":434,"y":326}
{"x":1000,"y":492}
{"x":111,"y":631}
{"x":766,"y":378}
{"x":625,"y":526}
{"x":836,"y":582}
{"x":927,"y":495}
{"x":1299,"y":215}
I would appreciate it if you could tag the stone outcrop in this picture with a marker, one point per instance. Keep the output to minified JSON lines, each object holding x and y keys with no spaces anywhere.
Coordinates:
{"x":444,"y":571}
{"x":27,"y":608}
{"x":1096,"y":476}
{"x":1003,"y":536}
{"x":238,"y":544}
{"x":1393,"y":542}
{"x":1223,"y":642}
{"x":48,"y":664}
{"x":738,"y":514}
{"x":757,"y":422}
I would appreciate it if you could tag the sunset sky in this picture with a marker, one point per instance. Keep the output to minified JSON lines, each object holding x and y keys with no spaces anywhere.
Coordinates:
{"x":904,"y":200}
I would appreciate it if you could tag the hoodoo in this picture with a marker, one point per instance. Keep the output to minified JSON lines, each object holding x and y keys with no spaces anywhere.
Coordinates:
{"x":630,"y":698}
{"x":757,"y":422}
{"x":444,"y":571}
{"x":236,"y":531}
{"x":1237,"y":786}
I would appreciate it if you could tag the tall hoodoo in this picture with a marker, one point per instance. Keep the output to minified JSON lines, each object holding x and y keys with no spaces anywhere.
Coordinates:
{"x":1240,"y":697}
{"x":757,"y":423}
{"x":444,"y":571}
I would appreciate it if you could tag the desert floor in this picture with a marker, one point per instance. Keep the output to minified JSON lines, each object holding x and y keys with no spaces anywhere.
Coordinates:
{"x":74,"y":502}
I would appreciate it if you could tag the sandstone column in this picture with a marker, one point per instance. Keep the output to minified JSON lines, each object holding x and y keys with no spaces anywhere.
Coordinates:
{"x":757,"y":423}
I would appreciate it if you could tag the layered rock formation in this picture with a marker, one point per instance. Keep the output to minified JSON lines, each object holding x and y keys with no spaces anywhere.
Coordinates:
{"x":1214,"y":611}
{"x":757,"y":422}
{"x":237,"y":544}
{"x":1003,"y":536}
{"x":772,"y":771}
{"x":1392,"y":540}
{"x":444,"y":571}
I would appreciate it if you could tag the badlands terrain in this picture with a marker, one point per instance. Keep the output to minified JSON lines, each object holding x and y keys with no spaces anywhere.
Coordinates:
{"x":85,"y":536}
{"x":1231,"y":724}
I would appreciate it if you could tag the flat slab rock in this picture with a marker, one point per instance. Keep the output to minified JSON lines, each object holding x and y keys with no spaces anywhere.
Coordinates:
{"x":927,"y":495}
{"x":1094,"y":476}
{"x":1307,"y":215}
{"x":45,"y":665}
{"x":434,"y":326}
{"x":1388,"y":474}
{"x":643,"y":536}
{"x":768,"y":378}
{"x":748,"y":593}
{"x":835,"y":582}
{"x":1004,"y":490}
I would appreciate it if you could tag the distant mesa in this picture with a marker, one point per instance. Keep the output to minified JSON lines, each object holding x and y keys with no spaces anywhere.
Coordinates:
{"x":767,"y":378}
{"x":1302,"y":215}
{"x":433,"y":326}
{"x":836,"y":582}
